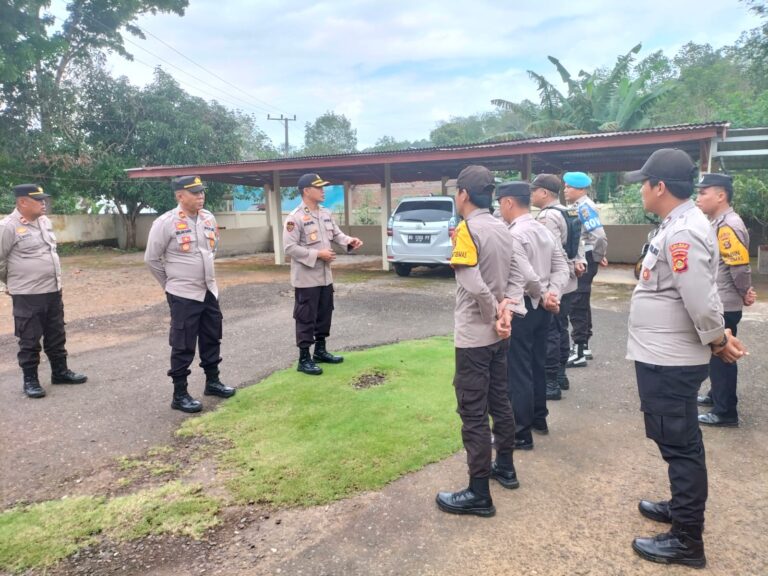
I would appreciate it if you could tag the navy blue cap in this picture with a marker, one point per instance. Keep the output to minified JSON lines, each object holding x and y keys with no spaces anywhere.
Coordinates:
{"x":515,"y":188}
{"x":31,"y":190}
{"x":311,"y":181}
{"x":722,"y":180}
{"x":188,"y":183}
{"x":666,"y":164}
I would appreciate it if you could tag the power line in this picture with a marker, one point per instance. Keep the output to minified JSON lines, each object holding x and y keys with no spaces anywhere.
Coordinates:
{"x":208,"y":71}
{"x":35,"y":177}
{"x":249,"y":104}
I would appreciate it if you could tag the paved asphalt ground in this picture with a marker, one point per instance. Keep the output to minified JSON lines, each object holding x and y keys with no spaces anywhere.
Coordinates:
{"x":575,"y":512}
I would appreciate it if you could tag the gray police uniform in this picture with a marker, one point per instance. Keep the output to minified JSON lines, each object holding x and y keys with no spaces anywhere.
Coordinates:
{"x":674,"y":314}
{"x":544,"y":269}
{"x":558,"y":339}
{"x":480,"y":380}
{"x":180,"y":254}
{"x":305,"y":233}
{"x":30,"y":267}
{"x":734,"y":279}
{"x":595,"y":248}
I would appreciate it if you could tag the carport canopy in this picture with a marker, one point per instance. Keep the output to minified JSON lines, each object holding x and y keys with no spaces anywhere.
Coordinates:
{"x":602,"y":152}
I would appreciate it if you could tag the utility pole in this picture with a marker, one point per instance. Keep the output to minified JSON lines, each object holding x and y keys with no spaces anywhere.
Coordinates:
{"x":285,"y":121}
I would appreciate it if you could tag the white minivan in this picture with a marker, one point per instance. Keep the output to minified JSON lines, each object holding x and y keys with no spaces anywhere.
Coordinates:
{"x":419,"y":233}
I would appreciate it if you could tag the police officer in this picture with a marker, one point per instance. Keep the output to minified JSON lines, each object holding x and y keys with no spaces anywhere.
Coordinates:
{"x":545,"y":192}
{"x":180,"y":254}
{"x":675,"y":326}
{"x":309,"y":231}
{"x":734,"y":284}
{"x":595,"y":247}
{"x":488,"y":291}
{"x":545,"y":270}
{"x":29,"y":266}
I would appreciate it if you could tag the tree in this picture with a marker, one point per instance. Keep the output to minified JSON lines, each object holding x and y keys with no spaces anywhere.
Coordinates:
{"x":126,"y":127}
{"x":751,"y":198}
{"x":388,"y":143}
{"x":601,"y":101}
{"x":330,"y":133}
{"x":37,"y":63}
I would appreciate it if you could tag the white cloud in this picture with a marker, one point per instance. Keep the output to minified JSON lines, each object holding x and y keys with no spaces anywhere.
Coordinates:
{"x":395,"y":68}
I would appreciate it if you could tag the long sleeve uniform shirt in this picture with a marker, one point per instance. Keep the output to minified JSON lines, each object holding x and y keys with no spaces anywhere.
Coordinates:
{"x":592,"y":231}
{"x":305,"y":233}
{"x":486,"y":273}
{"x":734,"y":276}
{"x":675,"y":310}
{"x":29,"y":263}
{"x":554,"y":221}
{"x":540,"y":258}
{"x":181,"y":251}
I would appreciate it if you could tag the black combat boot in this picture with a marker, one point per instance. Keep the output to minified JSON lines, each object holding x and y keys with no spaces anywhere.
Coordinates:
{"x":181,"y":398}
{"x":474,"y":500}
{"x":657,"y":511}
{"x":322,"y":355}
{"x":214,"y":387}
{"x":681,"y":545}
{"x":553,"y":387}
{"x":32,"y":386}
{"x":562,"y":378}
{"x":503,"y":471}
{"x":306,"y":364}
{"x":60,"y":374}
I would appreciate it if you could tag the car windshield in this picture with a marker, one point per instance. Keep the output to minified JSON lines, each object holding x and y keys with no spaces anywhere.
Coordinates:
{"x":424,"y":211}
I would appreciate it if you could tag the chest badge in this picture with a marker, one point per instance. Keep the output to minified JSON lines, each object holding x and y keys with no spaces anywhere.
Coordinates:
{"x":646,"y":274}
{"x":313,"y":236}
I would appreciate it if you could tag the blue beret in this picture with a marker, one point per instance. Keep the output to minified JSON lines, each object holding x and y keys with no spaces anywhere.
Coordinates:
{"x":577,"y":179}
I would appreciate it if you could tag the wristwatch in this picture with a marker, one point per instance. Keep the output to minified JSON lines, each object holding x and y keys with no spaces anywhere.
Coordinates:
{"x":722,"y":342}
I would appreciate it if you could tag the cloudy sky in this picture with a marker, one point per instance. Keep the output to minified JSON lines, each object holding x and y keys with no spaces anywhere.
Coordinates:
{"x":397,"y":67}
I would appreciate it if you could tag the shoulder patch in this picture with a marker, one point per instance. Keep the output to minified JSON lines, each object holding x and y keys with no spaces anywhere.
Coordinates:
{"x":290,"y":225}
{"x":464,"y":248}
{"x":732,"y":250}
{"x":589,"y":217}
{"x":679,"y":253}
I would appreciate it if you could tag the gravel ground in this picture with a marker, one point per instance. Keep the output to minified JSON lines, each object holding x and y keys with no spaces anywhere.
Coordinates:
{"x":575,"y":512}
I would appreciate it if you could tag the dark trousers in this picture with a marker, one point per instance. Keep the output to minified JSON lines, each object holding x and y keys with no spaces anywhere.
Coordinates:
{"x":39,"y":316}
{"x":313,"y":311}
{"x":723,"y":376}
{"x":527,"y":386}
{"x":581,"y":309}
{"x":194,"y":323}
{"x":558,"y":340}
{"x":668,"y":401}
{"x":480,"y":382}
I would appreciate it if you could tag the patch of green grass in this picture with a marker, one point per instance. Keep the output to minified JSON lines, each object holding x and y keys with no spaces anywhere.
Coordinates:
{"x":303,"y":440}
{"x":42,"y":534}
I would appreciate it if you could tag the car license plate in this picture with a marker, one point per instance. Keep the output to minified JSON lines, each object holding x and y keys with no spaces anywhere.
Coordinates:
{"x":419,"y":238}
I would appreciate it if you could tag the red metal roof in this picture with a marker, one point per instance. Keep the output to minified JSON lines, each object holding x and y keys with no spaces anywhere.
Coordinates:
{"x":601,"y":152}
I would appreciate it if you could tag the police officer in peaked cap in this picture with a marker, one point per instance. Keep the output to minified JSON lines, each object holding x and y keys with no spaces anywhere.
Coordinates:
{"x":675,"y":327}
{"x":29,"y":266}
{"x":734,"y":284}
{"x":307,"y":235}
{"x":180,"y":254}
{"x":542,"y":262}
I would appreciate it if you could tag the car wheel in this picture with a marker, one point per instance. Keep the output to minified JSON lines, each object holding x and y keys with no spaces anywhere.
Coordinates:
{"x":402,"y":269}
